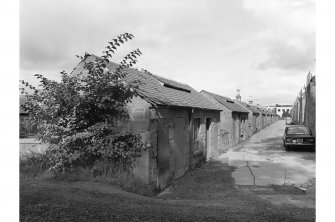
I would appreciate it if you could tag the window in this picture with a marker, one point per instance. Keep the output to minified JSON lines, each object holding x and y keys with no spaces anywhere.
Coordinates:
{"x":278,"y":110}
{"x":298,"y":130}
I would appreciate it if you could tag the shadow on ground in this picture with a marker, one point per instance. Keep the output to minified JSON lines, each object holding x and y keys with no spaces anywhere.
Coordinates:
{"x":210,"y":182}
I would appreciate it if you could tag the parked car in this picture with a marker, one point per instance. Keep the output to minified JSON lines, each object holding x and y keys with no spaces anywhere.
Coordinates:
{"x":289,"y":121}
{"x":298,"y":136}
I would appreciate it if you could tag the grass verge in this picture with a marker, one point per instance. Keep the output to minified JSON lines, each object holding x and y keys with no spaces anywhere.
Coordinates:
{"x":31,"y":166}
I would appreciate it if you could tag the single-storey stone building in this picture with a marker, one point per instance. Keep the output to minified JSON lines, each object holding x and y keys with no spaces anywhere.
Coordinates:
{"x":260,"y":122}
{"x":233,"y":120}
{"x":178,"y":125}
{"x":253,"y":115}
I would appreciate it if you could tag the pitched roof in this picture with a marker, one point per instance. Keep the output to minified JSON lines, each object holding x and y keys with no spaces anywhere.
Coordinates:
{"x":271,"y":112}
{"x":249,"y":107}
{"x":227,"y":102}
{"x":259,"y":109}
{"x":158,"y":90}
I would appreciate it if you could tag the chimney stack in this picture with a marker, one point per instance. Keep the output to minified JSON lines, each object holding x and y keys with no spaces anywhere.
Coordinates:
{"x":238,"y":96}
{"x":250,"y":100}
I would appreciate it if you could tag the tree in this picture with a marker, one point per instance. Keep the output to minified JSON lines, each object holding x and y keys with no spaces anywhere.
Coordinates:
{"x":285,"y":113}
{"x":79,"y":115}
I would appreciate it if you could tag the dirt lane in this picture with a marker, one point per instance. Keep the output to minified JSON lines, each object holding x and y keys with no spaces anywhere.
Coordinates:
{"x":260,"y":168}
{"x":264,"y":165}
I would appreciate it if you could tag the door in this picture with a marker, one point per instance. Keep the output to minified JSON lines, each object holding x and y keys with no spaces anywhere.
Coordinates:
{"x":179,"y":147}
{"x":208,"y":139}
{"x":253,"y":124}
{"x":163,"y":153}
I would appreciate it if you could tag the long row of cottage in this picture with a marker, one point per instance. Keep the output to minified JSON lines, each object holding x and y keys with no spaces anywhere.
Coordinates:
{"x":303,"y":111}
{"x":182,"y":127}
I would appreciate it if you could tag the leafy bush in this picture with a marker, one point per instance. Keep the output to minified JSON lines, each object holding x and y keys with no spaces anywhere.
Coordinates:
{"x":27,"y":128}
{"x":79,"y":115}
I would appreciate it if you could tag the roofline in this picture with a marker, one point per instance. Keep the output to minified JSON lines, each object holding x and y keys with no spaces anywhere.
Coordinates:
{"x":221,"y":103}
{"x":187,"y":107}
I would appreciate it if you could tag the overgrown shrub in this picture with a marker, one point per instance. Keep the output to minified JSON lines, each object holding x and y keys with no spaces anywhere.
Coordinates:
{"x":78,"y":116}
{"x":33,"y":164}
{"x":27,"y":128}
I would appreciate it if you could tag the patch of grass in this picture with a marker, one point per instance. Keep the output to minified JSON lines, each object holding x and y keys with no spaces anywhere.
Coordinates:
{"x":31,"y":164}
{"x":288,"y":189}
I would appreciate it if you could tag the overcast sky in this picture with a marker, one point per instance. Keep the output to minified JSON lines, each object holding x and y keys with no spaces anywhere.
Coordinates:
{"x":265,"y":48}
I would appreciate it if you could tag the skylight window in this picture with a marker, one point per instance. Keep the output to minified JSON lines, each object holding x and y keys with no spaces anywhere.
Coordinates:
{"x":172,"y":84}
{"x":177,"y":88}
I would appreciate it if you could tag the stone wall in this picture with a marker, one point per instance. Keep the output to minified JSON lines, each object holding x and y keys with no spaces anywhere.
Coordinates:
{"x":310,"y":112}
{"x":303,"y":111}
{"x":177,"y":124}
{"x":227,"y":125}
{"x":139,"y":112}
{"x":30,"y":146}
{"x":209,"y":139}
{"x":246,"y":123}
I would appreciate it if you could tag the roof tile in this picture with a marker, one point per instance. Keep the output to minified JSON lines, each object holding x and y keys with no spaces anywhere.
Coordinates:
{"x":158,"y":90}
{"x":227,"y":102}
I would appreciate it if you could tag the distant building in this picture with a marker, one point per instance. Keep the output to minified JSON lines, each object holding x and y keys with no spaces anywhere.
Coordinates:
{"x":281,"y":110}
{"x":233,"y":120}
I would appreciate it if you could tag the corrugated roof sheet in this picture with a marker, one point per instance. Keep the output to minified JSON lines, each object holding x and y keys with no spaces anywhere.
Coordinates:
{"x":158,"y":90}
{"x":227,"y":102}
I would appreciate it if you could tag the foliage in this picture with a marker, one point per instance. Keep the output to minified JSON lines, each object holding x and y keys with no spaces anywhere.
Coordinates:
{"x":286,"y":113}
{"x":79,"y":115}
{"x":27,"y":128}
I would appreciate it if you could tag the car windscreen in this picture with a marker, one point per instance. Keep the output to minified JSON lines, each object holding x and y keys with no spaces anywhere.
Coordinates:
{"x":297,"y":130}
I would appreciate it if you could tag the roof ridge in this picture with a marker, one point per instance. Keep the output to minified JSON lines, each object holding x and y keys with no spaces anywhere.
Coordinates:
{"x":223,"y":97}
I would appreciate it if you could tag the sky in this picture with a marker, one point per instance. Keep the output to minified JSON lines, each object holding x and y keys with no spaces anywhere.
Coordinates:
{"x":265,"y":48}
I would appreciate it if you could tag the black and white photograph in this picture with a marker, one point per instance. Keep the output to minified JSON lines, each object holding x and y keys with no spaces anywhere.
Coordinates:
{"x":167,"y":110}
